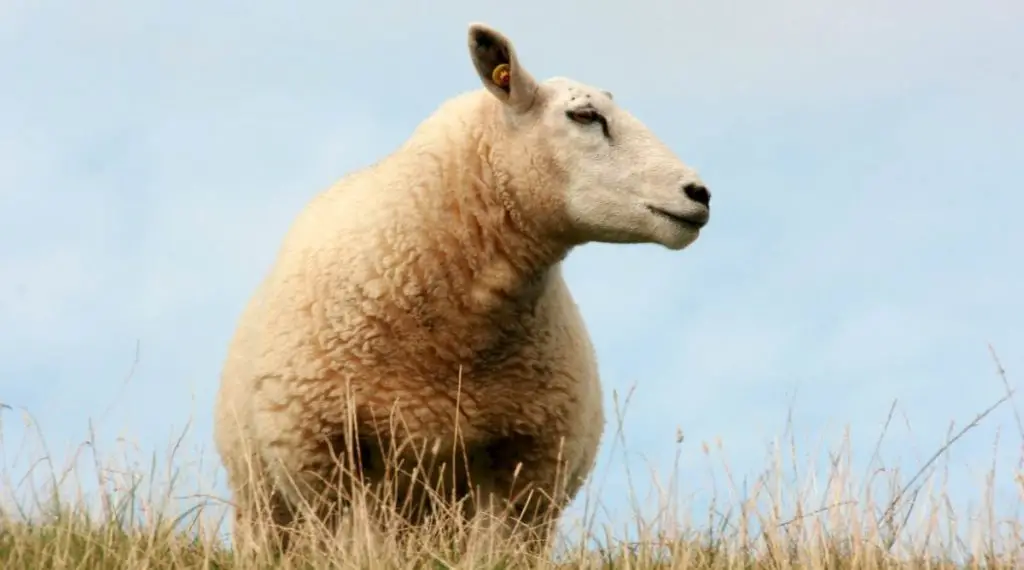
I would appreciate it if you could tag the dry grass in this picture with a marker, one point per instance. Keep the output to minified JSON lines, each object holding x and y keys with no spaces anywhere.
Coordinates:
{"x":772,"y":523}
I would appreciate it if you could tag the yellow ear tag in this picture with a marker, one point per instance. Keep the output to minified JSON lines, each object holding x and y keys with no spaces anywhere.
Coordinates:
{"x":501,"y":75}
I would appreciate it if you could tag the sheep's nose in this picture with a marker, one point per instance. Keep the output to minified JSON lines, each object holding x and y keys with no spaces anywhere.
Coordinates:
{"x":698,"y":193}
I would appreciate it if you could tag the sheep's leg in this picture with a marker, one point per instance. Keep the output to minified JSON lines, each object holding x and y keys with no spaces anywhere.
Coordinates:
{"x":263,"y":518}
{"x":317,"y":484}
{"x":528,"y":476}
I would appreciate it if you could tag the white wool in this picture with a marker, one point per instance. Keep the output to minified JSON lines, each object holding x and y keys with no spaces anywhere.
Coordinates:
{"x":428,"y":287}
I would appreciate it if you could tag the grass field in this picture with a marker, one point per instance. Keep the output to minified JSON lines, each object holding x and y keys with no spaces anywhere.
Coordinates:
{"x":836,"y":524}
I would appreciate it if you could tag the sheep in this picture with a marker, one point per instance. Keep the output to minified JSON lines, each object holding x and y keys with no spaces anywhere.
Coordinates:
{"x":419,"y":304}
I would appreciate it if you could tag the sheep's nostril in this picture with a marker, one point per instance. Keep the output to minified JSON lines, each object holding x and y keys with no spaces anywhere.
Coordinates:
{"x":698,"y":193}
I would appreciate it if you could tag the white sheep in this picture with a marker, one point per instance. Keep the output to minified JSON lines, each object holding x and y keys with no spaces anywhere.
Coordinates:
{"x":421,"y":300}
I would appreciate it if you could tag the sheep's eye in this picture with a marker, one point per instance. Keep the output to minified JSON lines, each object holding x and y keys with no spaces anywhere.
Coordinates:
{"x":583,"y":116}
{"x":589,"y":116}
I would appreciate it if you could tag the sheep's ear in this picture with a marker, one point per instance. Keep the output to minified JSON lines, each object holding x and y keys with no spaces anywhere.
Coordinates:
{"x":500,"y":71}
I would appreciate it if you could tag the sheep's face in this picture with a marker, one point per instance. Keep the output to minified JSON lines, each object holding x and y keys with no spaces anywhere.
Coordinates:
{"x":616,"y":182}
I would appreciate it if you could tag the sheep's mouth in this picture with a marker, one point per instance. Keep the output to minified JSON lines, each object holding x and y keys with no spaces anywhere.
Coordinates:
{"x":689,"y":222}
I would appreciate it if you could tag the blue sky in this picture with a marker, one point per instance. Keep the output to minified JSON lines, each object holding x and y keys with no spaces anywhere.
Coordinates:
{"x":864,"y":244}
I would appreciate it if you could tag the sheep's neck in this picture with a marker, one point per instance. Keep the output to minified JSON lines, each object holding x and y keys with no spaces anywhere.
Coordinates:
{"x":487,"y":252}
{"x":504,"y":259}
{"x":499,"y":272}
{"x":491,"y":240}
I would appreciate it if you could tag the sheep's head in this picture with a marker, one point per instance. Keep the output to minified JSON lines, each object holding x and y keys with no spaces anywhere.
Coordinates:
{"x":615,"y":180}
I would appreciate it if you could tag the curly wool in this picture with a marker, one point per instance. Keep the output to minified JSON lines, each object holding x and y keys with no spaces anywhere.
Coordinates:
{"x":427,"y":286}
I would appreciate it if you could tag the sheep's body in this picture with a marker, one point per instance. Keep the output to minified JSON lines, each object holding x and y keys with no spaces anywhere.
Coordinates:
{"x":390,"y":288}
{"x":421,"y":301}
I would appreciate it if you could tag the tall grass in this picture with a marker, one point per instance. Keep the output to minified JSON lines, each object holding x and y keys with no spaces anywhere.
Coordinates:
{"x":134,"y":517}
